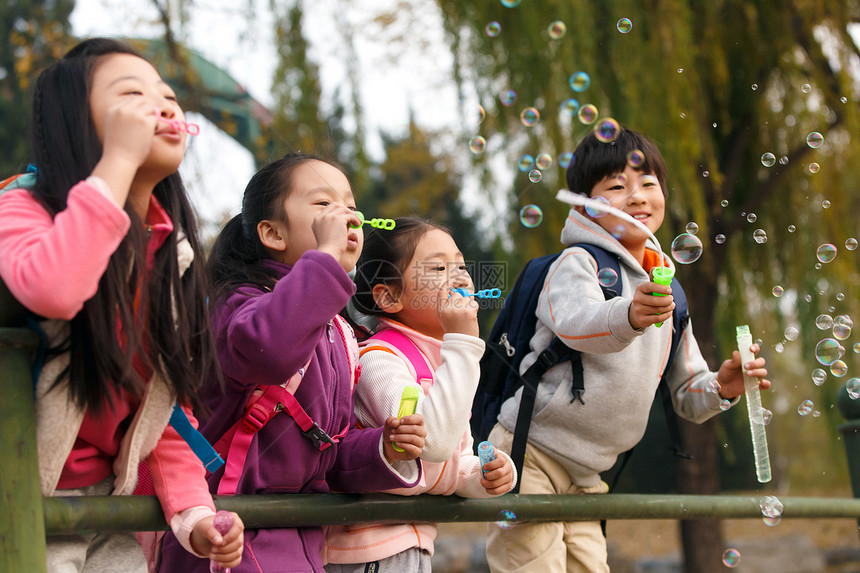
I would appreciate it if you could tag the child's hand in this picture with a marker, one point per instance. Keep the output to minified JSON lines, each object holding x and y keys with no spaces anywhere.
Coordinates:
{"x":408,"y":433}
{"x":731,"y":378}
{"x":647,"y":309}
{"x":226,"y":551}
{"x":458,"y":313}
{"x":332,"y":230}
{"x":498,"y":476}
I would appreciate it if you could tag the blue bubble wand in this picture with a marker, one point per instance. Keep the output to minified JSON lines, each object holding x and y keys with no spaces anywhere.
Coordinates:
{"x":486,"y":293}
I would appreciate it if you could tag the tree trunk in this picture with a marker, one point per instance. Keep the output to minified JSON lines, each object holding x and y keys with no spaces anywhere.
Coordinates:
{"x":701,"y":539}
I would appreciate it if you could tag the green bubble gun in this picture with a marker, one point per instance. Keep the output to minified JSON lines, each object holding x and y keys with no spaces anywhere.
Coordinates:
{"x":408,"y":405}
{"x":754,"y":408}
{"x":662,"y":276}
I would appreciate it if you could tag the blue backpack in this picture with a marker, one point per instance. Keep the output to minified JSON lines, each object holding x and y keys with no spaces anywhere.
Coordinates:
{"x":509,"y":343}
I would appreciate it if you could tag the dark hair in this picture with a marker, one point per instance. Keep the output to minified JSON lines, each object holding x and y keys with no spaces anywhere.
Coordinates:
{"x":384,"y":258}
{"x":594,"y":160}
{"x":237,"y":253}
{"x":172,"y":322}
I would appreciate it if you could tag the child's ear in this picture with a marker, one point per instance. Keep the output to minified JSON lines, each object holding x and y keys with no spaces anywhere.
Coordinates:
{"x":385,"y":299}
{"x":272,"y":235}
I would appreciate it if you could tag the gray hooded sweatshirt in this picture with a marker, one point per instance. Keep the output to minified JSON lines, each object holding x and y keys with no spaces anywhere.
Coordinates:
{"x":622,"y":366}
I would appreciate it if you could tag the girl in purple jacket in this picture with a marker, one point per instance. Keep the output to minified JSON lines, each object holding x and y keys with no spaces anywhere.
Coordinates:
{"x":279,"y":277}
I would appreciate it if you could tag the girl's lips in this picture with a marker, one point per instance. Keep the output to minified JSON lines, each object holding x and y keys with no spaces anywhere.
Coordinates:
{"x":352,"y":241}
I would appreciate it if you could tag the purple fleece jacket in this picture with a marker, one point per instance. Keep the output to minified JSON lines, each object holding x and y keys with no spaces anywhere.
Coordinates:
{"x":263,"y":337}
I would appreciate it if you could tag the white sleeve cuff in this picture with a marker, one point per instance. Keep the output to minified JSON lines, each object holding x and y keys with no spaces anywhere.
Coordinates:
{"x":406,"y":470}
{"x":183,"y":522}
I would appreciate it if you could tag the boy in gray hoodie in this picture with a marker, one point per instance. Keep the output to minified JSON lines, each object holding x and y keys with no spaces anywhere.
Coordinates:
{"x":623,"y":357}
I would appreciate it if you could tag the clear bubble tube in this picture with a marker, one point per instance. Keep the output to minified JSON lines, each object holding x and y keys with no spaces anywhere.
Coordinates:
{"x":754,"y":408}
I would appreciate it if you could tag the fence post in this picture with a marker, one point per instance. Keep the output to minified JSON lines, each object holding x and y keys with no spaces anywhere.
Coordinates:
{"x":850,"y":409}
{"x":22,"y":525}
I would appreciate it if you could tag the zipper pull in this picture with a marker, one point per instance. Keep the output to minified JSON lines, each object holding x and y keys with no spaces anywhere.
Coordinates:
{"x":330,"y":333}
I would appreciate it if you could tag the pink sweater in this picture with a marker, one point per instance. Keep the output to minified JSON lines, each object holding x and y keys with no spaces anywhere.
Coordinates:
{"x":52,"y":266}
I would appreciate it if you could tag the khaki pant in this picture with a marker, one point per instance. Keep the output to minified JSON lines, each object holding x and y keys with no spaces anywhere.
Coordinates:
{"x":545,"y":547}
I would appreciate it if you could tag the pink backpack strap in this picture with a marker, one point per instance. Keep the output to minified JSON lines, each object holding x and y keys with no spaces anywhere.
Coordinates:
{"x":347,"y":334}
{"x":409,"y":351}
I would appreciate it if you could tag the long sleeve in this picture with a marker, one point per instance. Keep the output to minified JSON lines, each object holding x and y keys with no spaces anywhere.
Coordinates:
{"x":54,"y":265}
{"x":688,"y":380}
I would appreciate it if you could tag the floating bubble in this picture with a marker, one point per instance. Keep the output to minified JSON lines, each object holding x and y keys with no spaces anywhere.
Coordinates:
{"x":826,"y":253}
{"x":757,"y":416}
{"x":770,"y":506}
{"x":607,"y":130}
{"x":511,"y":3}
{"x":508,"y":97}
{"x":526,"y":163}
{"x":635,"y":159}
{"x":506,"y":519}
{"x":731,"y":558}
{"x":791,"y":333}
{"x":543,"y":161}
{"x":839,"y":368}
{"x":569,"y":107}
{"x":482,"y":114}
{"x":692,"y":228}
{"x":843,"y":320}
{"x":814,"y":140}
{"x":587,"y":114}
{"x":531,"y":216}
{"x":806,"y":88}
{"x":596,"y":212}
{"x":530,"y":117}
{"x":754,"y":87}
{"x":706,"y":173}
{"x":807,"y":297}
{"x":492,"y":29}
{"x":725,"y":405}
{"x":618,"y":231}
{"x":851,"y":244}
{"x":686,"y":248}
{"x":535,"y":176}
{"x":680,"y":70}
{"x":565,"y":159}
{"x":477,"y":145}
{"x":759,"y":236}
{"x":823,"y":321}
{"x":853,"y":388}
{"x":819,"y":376}
{"x":624,"y":25}
{"x":777,"y":291}
{"x":713,"y":386}
{"x":752,"y":218}
{"x":825,"y":204}
{"x":857,"y":348}
{"x":766,"y":417}
{"x":768,"y":159}
{"x":783,"y":160}
{"x":791,"y":228}
{"x":840,"y":296}
{"x":579,"y":81}
{"x":814,"y":167}
{"x":841,"y":332}
{"x":771,"y":521}
{"x":720,"y":239}
{"x":607,"y":277}
{"x":724,"y":203}
{"x":805,"y":407}
{"x":779,"y":347}
{"x":828,"y":351}
{"x":557,"y":30}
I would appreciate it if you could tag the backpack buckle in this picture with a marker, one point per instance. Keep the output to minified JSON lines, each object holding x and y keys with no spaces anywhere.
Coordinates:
{"x":318,"y":437}
{"x":503,"y":340}
{"x":255,"y":418}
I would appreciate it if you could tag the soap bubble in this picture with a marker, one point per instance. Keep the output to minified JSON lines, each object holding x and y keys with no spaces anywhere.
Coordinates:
{"x":843,"y":99}
{"x":777,"y":291}
{"x":508,"y":97}
{"x":814,"y":140}
{"x":766,"y":416}
{"x":783,"y":160}
{"x":493,"y":29}
{"x":771,"y":506}
{"x":826,"y":253}
{"x":724,"y":203}
{"x":587,"y":114}
{"x":686,"y":248}
{"x":851,"y":244}
{"x":618,"y":231}
{"x":771,"y":521}
{"x":607,"y":130}
{"x":841,"y":331}
{"x":530,"y":117}
{"x":713,"y":387}
{"x":805,"y":407}
{"x":511,"y":3}
{"x":557,"y":30}
{"x":768,"y":159}
{"x":853,"y":388}
{"x":569,"y":107}
{"x":635,"y":158}
{"x":825,"y":204}
{"x":692,"y":228}
{"x":506,"y":519}
{"x":843,"y":320}
{"x":819,"y":376}
{"x":839,"y":368}
{"x":526,"y":163}
{"x":596,"y":212}
{"x":814,"y":167}
{"x":857,"y":348}
{"x":607,"y":277}
{"x":791,"y":228}
{"x":760,"y":236}
{"x":543,"y":161}
{"x":624,"y":25}
{"x":720,"y":239}
{"x":806,"y":88}
{"x":477,"y":145}
{"x":752,"y":218}
{"x":482,"y":114}
{"x":579,"y":81}
{"x":531,"y":216}
{"x":791,"y":333}
{"x":535,"y":176}
{"x":828,"y":351}
{"x":725,"y":405}
{"x":564,"y":159}
{"x":754,"y":87}
{"x":823,"y":321}
{"x":705,"y":173}
{"x":731,"y":558}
